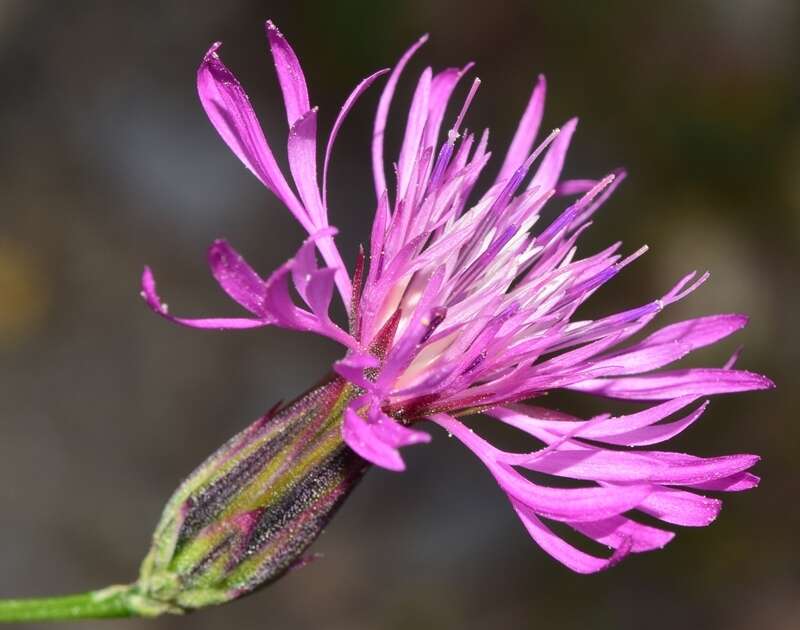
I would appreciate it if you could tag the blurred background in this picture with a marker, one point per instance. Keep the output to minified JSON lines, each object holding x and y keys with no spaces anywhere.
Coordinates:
{"x":107,"y":163}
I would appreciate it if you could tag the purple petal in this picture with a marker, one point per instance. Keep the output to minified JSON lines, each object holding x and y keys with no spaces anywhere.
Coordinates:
{"x":314,"y":286}
{"x":220,"y":323}
{"x":319,"y":292}
{"x":653,"y":434}
{"x":735,"y":483}
{"x":533,"y":419}
{"x":359,"y":435}
{"x":569,"y":187}
{"x":303,"y":265}
{"x":442,"y":86}
{"x":232,"y":115}
{"x":417,"y":115}
{"x":526,"y":132}
{"x":591,"y":464}
{"x":303,"y":164}
{"x":392,"y":432}
{"x":378,"y":438}
{"x":561,"y":550}
{"x":595,"y":464}
{"x":382,"y":114}
{"x":377,"y":239}
{"x":684,"y":337}
{"x":352,"y":369}
{"x":699,"y":332}
{"x":680,"y":507}
{"x":618,"y":531}
{"x":573,"y":504}
{"x":290,"y":74}
{"x":302,"y":150}
{"x":691,"y":382}
{"x":631,"y":430}
{"x":733,"y":359}
{"x":236,"y":277}
{"x":345,"y":110}
{"x":682,"y":469}
{"x":644,"y":359}
{"x":279,"y":303}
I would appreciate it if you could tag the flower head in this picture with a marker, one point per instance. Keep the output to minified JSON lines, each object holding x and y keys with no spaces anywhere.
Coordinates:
{"x":462,"y":307}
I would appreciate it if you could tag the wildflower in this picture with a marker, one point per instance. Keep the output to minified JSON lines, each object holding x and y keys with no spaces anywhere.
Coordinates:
{"x":459,"y":308}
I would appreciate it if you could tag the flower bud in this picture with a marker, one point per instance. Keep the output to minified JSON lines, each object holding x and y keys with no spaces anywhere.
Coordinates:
{"x":247,"y":514}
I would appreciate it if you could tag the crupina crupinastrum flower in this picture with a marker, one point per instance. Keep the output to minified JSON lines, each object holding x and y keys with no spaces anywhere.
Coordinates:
{"x":456,"y":308}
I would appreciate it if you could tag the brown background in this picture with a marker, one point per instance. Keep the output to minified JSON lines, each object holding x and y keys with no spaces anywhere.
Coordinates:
{"x":107,"y":163}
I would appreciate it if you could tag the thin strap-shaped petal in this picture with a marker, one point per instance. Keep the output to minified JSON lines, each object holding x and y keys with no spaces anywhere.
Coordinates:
{"x":290,"y":74}
{"x":653,"y":434}
{"x":568,"y":187}
{"x":620,"y":530}
{"x":284,"y":312}
{"x":378,"y":438}
{"x":302,"y":151}
{"x":279,"y":303}
{"x":683,"y":469}
{"x":304,"y":264}
{"x":524,"y":137}
{"x":442,"y":86}
{"x":382,"y":115}
{"x":735,"y":483}
{"x":348,"y":105}
{"x":563,"y":504}
{"x":377,"y":241}
{"x":397,"y":435}
{"x":577,"y":560}
{"x":319,"y":292}
{"x":692,"y":333}
{"x":680,"y":507}
{"x":599,"y":464}
{"x":665,"y":385}
{"x":315,"y":287}
{"x":229,"y":110}
{"x":352,"y":368}
{"x":359,"y":436}
{"x":682,"y":337}
{"x":215,"y":323}
{"x":644,"y":359}
{"x":533,"y":420}
{"x":236,"y":277}
{"x":417,"y":115}
{"x":390,"y":431}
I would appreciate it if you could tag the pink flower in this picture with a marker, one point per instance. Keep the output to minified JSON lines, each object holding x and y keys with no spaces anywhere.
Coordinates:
{"x":462,"y":309}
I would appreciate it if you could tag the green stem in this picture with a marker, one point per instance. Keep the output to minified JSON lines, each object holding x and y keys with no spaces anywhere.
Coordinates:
{"x":103,"y":604}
